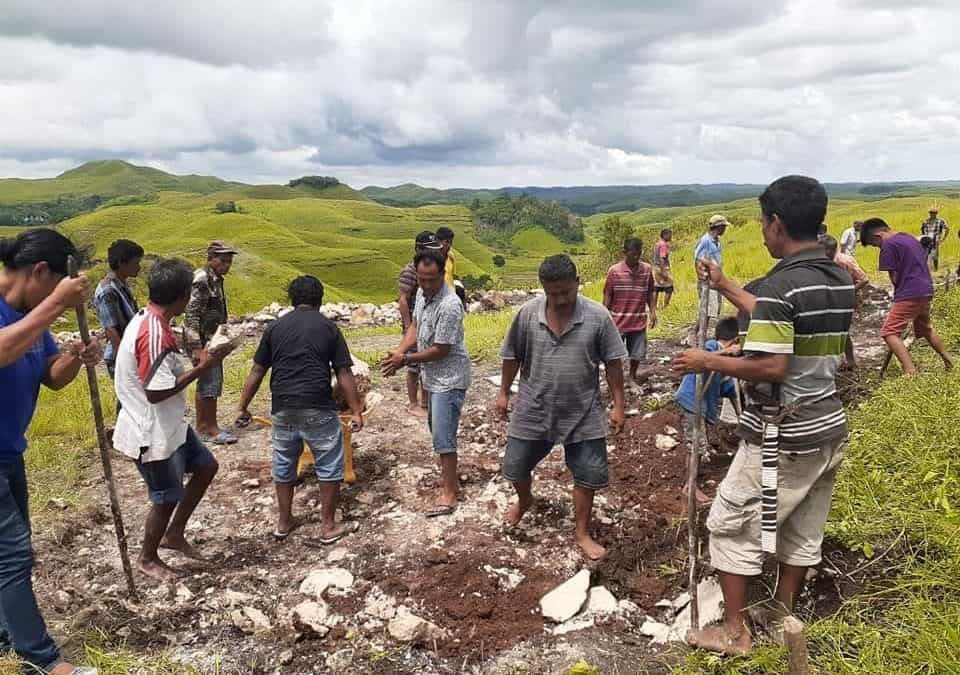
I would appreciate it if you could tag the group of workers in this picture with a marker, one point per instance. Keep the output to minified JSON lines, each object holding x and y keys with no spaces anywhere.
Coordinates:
{"x":785,"y":347}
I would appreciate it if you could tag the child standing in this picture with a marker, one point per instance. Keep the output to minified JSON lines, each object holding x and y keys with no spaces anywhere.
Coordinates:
{"x":715,"y":388}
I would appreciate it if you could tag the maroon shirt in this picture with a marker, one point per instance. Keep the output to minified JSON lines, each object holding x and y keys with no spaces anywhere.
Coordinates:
{"x":626,"y":293}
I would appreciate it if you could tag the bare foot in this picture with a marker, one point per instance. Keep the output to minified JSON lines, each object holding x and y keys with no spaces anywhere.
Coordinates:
{"x":515,"y":513}
{"x":178,"y":543}
{"x":417,"y":411}
{"x":720,"y":639}
{"x":64,"y":668}
{"x":948,"y":363}
{"x":590,"y":548}
{"x":157,"y":569}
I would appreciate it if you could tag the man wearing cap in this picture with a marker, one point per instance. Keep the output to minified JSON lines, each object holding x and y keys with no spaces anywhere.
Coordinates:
{"x":407,"y":286}
{"x":205,"y":313}
{"x":936,"y":228}
{"x":708,"y":248}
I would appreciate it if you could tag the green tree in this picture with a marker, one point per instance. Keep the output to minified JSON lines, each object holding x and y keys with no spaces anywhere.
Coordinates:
{"x":499,"y":261}
{"x":613,"y":231}
{"x":229,"y":206}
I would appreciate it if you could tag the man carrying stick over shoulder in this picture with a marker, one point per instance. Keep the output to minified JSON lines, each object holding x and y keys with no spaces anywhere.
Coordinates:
{"x":557,"y":343}
{"x":776,"y":495}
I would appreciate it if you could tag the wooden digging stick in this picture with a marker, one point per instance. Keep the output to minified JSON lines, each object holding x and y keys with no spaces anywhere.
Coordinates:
{"x":104,"y":445}
{"x":694,"y":467}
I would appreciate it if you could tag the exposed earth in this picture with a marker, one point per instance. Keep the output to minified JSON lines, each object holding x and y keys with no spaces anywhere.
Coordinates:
{"x":476,"y":581}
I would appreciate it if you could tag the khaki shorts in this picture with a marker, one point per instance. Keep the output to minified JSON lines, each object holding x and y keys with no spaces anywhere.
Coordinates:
{"x":805,"y":487}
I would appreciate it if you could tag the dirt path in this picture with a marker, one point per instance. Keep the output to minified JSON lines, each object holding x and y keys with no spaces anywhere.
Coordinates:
{"x":472,"y":577}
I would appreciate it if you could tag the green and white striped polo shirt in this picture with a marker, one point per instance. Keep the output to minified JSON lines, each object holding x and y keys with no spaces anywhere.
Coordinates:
{"x":804,"y":307}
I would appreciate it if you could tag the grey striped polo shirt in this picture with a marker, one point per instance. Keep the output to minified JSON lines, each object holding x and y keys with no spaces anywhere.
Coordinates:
{"x":804,"y":307}
{"x":559,"y":391}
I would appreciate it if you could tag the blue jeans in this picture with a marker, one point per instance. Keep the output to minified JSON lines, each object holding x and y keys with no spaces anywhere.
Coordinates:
{"x":587,"y":460}
{"x":321,"y":430}
{"x":21,"y":626}
{"x":443,"y":418}
{"x":164,"y":477}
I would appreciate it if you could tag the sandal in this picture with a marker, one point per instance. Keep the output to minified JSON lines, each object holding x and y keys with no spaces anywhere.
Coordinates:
{"x":224,"y":438}
{"x":319,"y":542}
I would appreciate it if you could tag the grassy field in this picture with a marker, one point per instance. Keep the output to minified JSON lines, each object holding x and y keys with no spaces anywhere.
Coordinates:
{"x":899,"y":490}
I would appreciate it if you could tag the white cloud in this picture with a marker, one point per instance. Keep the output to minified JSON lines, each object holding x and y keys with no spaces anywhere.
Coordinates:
{"x":505,"y":92}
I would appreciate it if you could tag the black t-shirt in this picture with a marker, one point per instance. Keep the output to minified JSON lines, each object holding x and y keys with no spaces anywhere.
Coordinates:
{"x":300,"y":349}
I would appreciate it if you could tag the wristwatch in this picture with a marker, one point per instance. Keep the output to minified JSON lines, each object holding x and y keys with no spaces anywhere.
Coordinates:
{"x":405,"y":360}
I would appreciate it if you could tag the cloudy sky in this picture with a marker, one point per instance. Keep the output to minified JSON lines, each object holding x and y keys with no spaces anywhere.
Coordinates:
{"x":485,"y":93}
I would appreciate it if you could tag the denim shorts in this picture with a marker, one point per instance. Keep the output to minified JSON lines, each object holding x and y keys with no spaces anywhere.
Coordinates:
{"x":164,"y":478}
{"x":587,"y":460}
{"x":322,"y":432}
{"x":443,"y":418}
{"x":210,"y":382}
{"x":636,"y":343}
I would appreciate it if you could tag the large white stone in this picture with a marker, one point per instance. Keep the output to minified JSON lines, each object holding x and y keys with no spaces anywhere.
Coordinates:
{"x":600,"y":601}
{"x":407,"y":627}
{"x":259,"y":620}
{"x":710,"y":602}
{"x":318,"y":581}
{"x":565,"y":600}
{"x":664,"y":442}
{"x":311,"y":615}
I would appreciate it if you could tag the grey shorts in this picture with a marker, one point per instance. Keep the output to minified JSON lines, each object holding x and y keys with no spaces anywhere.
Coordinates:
{"x":587,"y":460}
{"x":210,"y":382}
{"x":636,"y":343}
{"x":804,"y":491}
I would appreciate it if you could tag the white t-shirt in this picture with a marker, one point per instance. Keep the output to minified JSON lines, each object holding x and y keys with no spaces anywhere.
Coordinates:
{"x":848,"y":241}
{"x":148,"y":360}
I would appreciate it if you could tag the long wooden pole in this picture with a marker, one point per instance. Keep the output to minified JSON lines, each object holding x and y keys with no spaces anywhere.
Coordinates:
{"x":104,"y":445}
{"x":694,"y":466}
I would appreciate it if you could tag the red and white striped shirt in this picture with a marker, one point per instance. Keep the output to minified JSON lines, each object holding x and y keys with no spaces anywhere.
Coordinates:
{"x":626,"y":294}
{"x":148,"y":360}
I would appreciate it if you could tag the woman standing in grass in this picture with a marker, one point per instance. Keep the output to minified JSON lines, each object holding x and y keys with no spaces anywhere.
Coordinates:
{"x":34,"y":291}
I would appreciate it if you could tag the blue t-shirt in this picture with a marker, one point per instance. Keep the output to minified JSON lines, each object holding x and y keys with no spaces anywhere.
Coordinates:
{"x":708,"y":247}
{"x":20,"y":387}
{"x":719,"y":387}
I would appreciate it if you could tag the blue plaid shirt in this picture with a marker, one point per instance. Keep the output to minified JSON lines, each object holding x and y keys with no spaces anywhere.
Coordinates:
{"x":115,"y":306}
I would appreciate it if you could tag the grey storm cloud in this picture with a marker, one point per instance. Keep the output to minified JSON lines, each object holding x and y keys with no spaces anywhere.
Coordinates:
{"x":485,"y":93}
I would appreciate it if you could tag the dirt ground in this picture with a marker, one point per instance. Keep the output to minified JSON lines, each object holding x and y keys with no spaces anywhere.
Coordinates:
{"x":477,"y":580}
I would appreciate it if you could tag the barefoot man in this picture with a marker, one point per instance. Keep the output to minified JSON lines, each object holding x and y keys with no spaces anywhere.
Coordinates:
{"x":150,"y":381}
{"x":629,"y":294}
{"x":902,"y":256}
{"x":435,"y":341}
{"x":776,"y":495}
{"x":301,"y":349}
{"x":557,"y":342}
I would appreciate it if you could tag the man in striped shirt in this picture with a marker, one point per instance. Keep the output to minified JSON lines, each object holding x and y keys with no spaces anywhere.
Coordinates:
{"x":776,"y":495}
{"x":628,"y":294}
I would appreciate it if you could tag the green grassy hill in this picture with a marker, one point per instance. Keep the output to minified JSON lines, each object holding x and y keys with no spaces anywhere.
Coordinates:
{"x":357,"y":248}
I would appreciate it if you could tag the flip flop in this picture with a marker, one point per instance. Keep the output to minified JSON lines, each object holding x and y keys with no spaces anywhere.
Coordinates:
{"x":439,"y":510}
{"x":320,"y":542}
{"x":280,"y":535}
{"x":224,"y":438}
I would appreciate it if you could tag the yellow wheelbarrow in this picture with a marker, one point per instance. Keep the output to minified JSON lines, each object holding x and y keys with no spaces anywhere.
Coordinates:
{"x":306,"y":457}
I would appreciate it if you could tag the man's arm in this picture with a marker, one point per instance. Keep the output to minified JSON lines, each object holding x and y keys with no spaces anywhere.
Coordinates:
{"x":192,"y":317}
{"x":757,"y":367}
{"x":19,"y":338}
{"x":393,"y":361}
{"x":508,"y":373}
{"x":250,"y":388}
{"x":63,"y":368}
{"x":607,"y":292}
{"x":205,"y":361}
{"x":651,"y":303}
{"x":406,"y":314}
{"x":614,"y":371}
{"x":348,"y":385}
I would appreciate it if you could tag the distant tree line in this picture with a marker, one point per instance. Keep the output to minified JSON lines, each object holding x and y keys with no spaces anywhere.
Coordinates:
{"x":48,"y":212}
{"x":317,"y":182}
{"x":497,"y":220}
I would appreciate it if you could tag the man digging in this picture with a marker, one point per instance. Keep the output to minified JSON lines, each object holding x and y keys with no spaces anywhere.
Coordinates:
{"x":436,"y":332}
{"x":776,"y":495}
{"x":300,"y":349}
{"x":150,"y":381}
{"x":557,"y":342}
